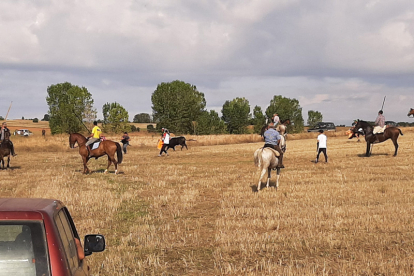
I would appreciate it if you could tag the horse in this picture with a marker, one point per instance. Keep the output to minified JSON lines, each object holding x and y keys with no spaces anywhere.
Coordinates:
{"x":5,"y":151}
{"x":371,"y":138}
{"x":43,"y":132}
{"x":106,"y":147}
{"x":411,"y":112}
{"x":265,"y":159}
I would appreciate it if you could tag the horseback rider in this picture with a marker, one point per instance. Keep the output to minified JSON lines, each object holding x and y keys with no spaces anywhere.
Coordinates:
{"x":94,"y":136}
{"x":276,"y":119}
{"x":379,"y":123}
{"x":272,"y":140}
{"x":5,"y":138}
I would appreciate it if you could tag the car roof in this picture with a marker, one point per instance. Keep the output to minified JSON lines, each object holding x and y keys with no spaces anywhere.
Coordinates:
{"x":29,"y":204}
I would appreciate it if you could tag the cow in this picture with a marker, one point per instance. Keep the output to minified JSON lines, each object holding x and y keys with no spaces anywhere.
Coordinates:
{"x":175,"y":141}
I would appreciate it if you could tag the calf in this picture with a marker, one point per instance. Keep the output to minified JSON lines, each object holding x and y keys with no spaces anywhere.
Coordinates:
{"x":175,"y":141}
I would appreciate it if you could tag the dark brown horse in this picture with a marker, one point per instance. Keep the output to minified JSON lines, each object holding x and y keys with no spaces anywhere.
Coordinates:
{"x":5,"y":151}
{"x":371,"y":138}
{"x":106,"y":147}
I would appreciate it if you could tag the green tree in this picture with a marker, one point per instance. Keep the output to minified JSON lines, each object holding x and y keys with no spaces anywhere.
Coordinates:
{"x":314,"y":117}
{"x":46,"y":117}
{"x":115,"y":118}
{"x":1,"y":118}
{"x":142,"y":118}
{"x":70,"y":106}
{"x":236,"y":115}
{"x":176,"y":105}
{"x":259,"y":119}
{"x":287,"y":109}
{"x":210,"y":123}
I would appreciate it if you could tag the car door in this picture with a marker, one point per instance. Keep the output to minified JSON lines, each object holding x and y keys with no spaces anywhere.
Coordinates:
{"x":68,"y":233}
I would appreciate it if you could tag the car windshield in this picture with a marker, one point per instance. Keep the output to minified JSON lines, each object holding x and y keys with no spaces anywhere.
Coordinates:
{"x":23,"y":249}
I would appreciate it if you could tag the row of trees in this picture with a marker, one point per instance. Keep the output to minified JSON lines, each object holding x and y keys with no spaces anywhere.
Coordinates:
{"x":180,"y":107}
{"x":177,"y":105}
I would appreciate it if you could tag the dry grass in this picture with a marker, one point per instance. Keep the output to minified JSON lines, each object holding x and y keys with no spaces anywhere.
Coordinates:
{"x":196,"y":212}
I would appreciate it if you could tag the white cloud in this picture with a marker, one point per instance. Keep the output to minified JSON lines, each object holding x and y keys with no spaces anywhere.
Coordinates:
{"x":328,"y":54}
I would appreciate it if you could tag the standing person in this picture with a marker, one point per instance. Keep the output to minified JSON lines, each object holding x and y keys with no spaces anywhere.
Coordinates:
{"x":356,"y":133}
{"x":272,"y":140}
{"x":125,"y":141}
{"x":321,"y":146}
{"x":379,"y":123}
{"x":166,"y":140}
{"x":94,"y":136}
{"x":5,"y":138}
{"x":276,"y":119}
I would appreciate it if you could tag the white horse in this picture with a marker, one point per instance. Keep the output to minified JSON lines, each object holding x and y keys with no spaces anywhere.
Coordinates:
{"x":265,"y":159}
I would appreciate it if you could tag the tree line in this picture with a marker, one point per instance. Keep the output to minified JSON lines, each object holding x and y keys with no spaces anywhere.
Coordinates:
{"x":176,"y":105}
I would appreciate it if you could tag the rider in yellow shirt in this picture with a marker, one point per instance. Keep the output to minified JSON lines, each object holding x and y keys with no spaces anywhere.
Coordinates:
{"x":94,"y":136}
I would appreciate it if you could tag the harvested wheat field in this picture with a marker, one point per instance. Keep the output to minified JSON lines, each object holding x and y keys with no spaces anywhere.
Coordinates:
{"x":197,"y":212}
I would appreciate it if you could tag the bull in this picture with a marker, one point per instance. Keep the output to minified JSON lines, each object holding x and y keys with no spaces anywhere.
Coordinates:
{"x":177,"y":141}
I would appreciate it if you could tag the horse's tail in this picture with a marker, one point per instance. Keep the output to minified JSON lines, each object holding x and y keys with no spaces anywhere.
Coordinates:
{"x":118,"y":153}
{"x":258,"y":157}
{"x":401,"y":132}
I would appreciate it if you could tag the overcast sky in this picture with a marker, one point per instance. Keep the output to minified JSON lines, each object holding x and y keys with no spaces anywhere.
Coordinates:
{"x":337,"y":57}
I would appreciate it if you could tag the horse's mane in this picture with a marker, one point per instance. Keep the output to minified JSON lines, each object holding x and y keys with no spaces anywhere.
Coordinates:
{"x":364,"y":122}
{"x":283,"y":121}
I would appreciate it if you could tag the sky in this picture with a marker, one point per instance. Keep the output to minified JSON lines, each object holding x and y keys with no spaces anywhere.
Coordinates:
{"x":340,"y":58}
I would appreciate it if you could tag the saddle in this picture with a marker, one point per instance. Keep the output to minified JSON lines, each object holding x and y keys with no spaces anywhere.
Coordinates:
{"x":379,"y":130}
{"x":95,"y":145}
{"x":277,"y":154}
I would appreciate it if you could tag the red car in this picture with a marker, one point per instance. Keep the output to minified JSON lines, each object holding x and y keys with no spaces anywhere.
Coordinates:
{"x":38,"y":237}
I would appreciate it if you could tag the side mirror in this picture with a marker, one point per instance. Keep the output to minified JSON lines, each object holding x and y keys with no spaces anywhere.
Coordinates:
{"x":93,"y":243}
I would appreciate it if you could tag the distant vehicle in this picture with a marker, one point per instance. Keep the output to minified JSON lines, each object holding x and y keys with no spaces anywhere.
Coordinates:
{"x":325,"y":126}
{"x":39,"y":237}
{"x":23,"y":132}
{"x":391,"y":123}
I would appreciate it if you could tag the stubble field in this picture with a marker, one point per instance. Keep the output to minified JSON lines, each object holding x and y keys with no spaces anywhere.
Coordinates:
{"x":197,"y":212}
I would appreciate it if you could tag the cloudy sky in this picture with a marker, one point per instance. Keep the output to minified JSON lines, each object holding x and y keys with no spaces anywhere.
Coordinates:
{"x":337,"y":57}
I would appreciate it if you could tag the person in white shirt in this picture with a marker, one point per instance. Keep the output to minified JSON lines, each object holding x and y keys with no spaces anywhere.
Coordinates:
{"x":276,"y":119}
{"x":321,"y":146}
{"x":166,"y":140}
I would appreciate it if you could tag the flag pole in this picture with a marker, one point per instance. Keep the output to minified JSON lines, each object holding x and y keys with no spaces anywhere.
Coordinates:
{"x":8,"y":111}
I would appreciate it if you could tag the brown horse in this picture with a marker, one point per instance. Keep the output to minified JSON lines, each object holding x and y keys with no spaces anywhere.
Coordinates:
{"x":5,"y":151}
{"x":106,"y":147}
{"x":371,"y":138}
{"x":411,"y":112}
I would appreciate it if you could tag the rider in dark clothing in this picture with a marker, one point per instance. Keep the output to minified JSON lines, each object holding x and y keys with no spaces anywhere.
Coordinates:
{"x":272,"y":139}
{"x":5,"y":138}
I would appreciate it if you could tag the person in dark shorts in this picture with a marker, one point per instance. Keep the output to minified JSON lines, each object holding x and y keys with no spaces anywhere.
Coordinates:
{"x":321,"y":146}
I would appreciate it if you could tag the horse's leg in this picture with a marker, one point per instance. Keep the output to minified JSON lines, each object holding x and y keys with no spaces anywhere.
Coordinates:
{"x":109,"y":164}
{"x":110,"y":161}
{"x":85,"y":161}
{"x":368,"y":152}
{"x":277,"y":178}
{"x":269,"y":170}
{"x":396,"y":146}
{"x":8,"y":161}
{"x":262,"y":173}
